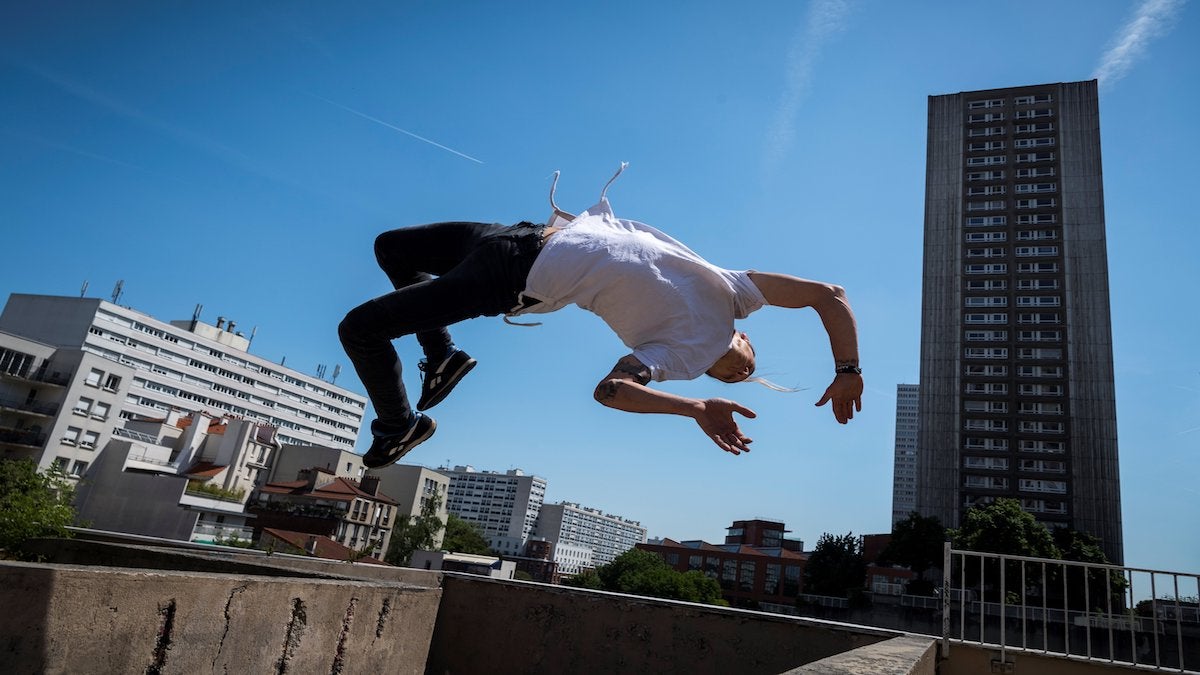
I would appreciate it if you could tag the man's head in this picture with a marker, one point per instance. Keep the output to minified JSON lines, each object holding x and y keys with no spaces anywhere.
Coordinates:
{"x":737,"y":364}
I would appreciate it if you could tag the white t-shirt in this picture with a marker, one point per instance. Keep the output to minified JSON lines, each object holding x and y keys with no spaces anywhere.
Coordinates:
{"x":674,"y":309}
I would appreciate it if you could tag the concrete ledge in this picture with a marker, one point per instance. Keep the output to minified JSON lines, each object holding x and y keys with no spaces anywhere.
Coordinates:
{"x":65,"y":619}
{"x":904,"y":655}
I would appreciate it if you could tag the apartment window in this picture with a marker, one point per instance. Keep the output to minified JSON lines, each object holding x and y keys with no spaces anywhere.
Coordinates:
{"x":1042,"y":142}
{"x":1039,"y":371}
{"x":1037,"y":235}
{"x":1040,"y":203}
{"x":996,"y":388}
{"x":985,"y":175}
{"x":987,"y":284}
{"x":987,"y":301}
{"x":1036,"y":128}
{"x":112,"y":382}
{"x":78,"y":468}
{"x":1030,"y":157}
{"x":1040,"y":389}
{"x":1037,"y":219}
{"x":989,"y":160}
{"x":1039,"y":353}
{"x":987,"y":482}
{"x":93,"y":378}
{"x":1028,"y":427}
{"x":71,"y":435}
{"x":59,"y":465}
{"x":1036,"y":251}
{"x":983,"y":146}
{"x":1043,"y":465}
{"x":1038,"y":301}
{"x":990,"y":205}
{"x":746,"y":578}
{"x":972,"y":237}
{"x":978,"y":118}
{"x":1032,"y":99}
{"x":1027,"y":188}
{"x":1037,"y":268}
{"x":986,"y":463}
{"x":1044,"y":506}
{"x":995,"y":407}
{"x":90,"y":438}
{"x":987,"y":221}
{"x":986,"y":371}
{"x":986,"y":352}
{"x":1030,"y":408}
{"x":994,"y":444}
{"x":1051,"y":486}
{"x":981,"y":132}
{"x":987,"y":336}
{"x":1045,"y":447}
{"x":993,"y":252}
{"x":1035,"y":172}
{"x":986,"y":318}
{"x":83,"y":406}
{"x":1037,"y":113}
{"x":987,"y":425}
{"x":985,"y":103}
{"x":992,"y":268}
{"x":100,"y":411}
{"x":985,"y":190}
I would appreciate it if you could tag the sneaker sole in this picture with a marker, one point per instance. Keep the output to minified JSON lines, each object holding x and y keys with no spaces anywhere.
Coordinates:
{"x":413,"y":443}
{"x":451,"y":382}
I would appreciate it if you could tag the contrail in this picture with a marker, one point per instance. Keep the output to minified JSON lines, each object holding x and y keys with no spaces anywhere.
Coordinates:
{"x":393,"y":127}
{"x":1151,"y":19}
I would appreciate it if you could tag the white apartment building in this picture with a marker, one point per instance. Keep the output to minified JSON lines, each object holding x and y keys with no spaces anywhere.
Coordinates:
{"x":904,"y":472}
{"x":608,"y":536}
{"x":504,"y":505}
{"x":95,"y":362}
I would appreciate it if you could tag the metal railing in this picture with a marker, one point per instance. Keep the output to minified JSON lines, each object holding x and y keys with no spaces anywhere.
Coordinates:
{"x":1104,"y":613}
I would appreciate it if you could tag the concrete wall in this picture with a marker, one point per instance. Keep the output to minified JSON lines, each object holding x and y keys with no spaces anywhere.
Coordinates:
{"x":65,"y":619}
{"x":550,"y":629}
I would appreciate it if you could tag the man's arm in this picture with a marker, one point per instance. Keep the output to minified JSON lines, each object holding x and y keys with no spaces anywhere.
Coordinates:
{"x":831,"y":305}
{"x":624,"y":388}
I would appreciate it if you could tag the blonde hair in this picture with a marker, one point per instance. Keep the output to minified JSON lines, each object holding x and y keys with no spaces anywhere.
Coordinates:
{"x":772,"y":386}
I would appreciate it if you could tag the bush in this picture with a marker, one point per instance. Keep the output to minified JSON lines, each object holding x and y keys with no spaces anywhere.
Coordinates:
{"x":32,"y":505}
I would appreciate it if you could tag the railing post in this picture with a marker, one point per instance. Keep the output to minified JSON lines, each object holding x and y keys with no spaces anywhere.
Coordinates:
{"x":946,"y":576}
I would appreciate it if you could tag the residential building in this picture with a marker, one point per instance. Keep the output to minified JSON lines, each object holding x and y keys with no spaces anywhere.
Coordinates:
{"x":303,"y":543}
{"x":607,"y":536}
{"x":353,"y":513}
{"x":467,"y":563}
{"x":770,"y":578}
{"x":904,"y":471}
{"x":185,"y":477}
{"x":1017,"y":397}
{"x":104,"y":362}
{"x":505,"y":505}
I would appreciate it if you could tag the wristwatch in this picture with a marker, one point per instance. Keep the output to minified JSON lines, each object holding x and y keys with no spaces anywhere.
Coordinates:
{"x":853,"y":370}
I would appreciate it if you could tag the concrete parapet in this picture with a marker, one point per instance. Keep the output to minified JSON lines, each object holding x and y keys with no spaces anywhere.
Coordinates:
{"x":904,"y":655}
{"x":550,"y":629}
{"x":68,"y":619}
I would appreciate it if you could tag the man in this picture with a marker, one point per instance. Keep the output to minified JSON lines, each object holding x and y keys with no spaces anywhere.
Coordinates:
{"x":671,"y":307}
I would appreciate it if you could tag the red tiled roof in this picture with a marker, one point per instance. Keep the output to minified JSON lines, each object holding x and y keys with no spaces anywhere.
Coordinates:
{"x":339,"y":489}
{"x":325,"y":547}
{"x":204,"y":469}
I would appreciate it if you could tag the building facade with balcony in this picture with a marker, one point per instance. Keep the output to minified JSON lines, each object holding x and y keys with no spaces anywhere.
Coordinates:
{"x":504,"y":506}
{"x":353,"y":513}
{"x":1017,"y":397}
{"x":606,"y":535}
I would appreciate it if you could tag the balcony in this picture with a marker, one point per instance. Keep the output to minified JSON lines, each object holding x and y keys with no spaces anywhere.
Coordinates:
{"x":23,"y":438}
{"x":30,"y":407}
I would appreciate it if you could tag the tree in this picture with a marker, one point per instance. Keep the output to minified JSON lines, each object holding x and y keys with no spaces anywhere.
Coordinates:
{"x":917,"y":543}
{"x":1002,"y":527}
{"x":415,"y":533}
{"x":639,"y":572}
{"x":836,"y":566}
{"x":32,"y":504}
{"x":1098,"y":591}
{"x":464,"y":537}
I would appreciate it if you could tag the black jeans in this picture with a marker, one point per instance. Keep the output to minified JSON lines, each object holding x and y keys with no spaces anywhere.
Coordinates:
{"x":443,"y":273}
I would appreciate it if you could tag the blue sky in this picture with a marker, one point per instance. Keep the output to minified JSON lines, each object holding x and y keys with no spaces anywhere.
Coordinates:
{"x":244,"y":155}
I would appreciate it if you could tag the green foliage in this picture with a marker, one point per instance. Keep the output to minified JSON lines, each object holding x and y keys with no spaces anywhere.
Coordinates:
{"x":234,"y":541}
{"x":415,"y":533}
{"x":638,"y":572}
{"x":32,"y":504}
{"x":464,"y":537}
{"x":215,"y":491}
{"x":1004,"y":527}
{"x":916,"y":543}
{"x":836,"y":566}
{"x":1101,"y":587}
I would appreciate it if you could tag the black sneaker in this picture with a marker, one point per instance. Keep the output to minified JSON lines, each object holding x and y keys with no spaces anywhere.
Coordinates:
{"x":440,"y":378}
{"x":388,"y":447}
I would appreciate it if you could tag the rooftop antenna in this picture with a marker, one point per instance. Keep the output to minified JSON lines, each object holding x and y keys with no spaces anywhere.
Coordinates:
{"x":337,"y":370}
{"x":84,"y":288}
{"x":253,"y":332}
{"x":320,"y":371}
{"x":196,"y":315}
{"x":117,"y":291}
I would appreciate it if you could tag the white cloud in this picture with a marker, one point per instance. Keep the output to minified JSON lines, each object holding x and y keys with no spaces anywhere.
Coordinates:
{"x":824,"y":20}
{"x":1151,"y":19}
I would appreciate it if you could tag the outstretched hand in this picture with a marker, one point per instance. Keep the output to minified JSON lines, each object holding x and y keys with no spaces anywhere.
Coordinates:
{"x":715,"y":417}
{"x":846,"y":394}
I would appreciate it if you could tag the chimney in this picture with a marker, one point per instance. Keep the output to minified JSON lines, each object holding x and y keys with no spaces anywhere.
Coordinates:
{"x":231,"y":325}
{"x":220,"y":322}
{"x":369,"y":484}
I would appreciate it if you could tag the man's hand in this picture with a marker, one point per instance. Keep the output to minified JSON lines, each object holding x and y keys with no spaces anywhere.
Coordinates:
{"x":846,"y":394}
{"x":715,"y":417}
